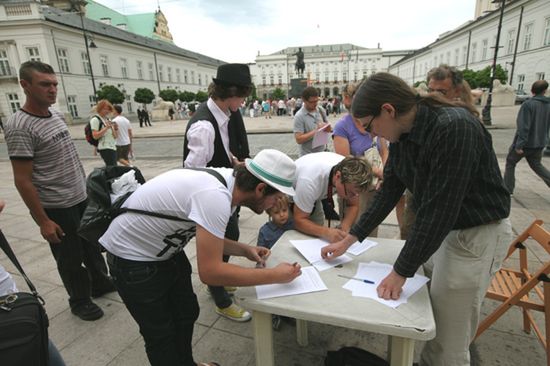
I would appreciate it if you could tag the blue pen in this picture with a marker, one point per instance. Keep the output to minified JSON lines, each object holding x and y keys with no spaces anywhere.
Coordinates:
{"x":357,"y":279}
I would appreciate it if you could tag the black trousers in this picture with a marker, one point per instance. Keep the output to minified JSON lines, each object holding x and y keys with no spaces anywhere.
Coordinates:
{"x":79,"y":263}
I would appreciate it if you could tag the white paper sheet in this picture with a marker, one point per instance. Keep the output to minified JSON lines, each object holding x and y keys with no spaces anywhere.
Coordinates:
{"x":311,"y":250}
{"x":321,"y":136}
{"x":358,"y":248}
{"x":309,"y":281}
{"x":376,"y":272}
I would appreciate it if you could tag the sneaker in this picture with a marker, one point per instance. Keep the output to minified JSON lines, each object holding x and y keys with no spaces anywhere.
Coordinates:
{"x":234,"y":312}
{"x":87,"y":311}
{"x":100,"y":291}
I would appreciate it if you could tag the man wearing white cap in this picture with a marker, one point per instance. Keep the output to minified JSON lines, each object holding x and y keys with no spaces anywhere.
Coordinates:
{"x":146,"y":258}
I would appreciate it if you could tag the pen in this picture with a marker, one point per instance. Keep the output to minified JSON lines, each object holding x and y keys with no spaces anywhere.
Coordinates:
{"x":357,"y":279}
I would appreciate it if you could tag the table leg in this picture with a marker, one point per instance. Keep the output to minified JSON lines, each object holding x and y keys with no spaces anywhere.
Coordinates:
{"x":402,"y":351}
{"x":301,"y":332}
{"x":263,"y":338}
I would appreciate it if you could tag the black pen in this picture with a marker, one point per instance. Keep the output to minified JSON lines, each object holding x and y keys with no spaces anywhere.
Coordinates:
{"x":357,"y":279}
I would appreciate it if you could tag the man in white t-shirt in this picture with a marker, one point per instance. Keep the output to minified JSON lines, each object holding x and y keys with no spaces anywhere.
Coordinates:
{"x":124,"y":137}
{"x":318,"y":175}
{"x":146,"y":258}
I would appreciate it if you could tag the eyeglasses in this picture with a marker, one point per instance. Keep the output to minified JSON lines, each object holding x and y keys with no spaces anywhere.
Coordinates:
{"x":368,"y":125}
{"x":442,"y":91}
{"x":351,"y":193}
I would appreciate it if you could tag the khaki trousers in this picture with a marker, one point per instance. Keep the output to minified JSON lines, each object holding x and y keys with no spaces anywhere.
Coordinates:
{"x":460,"y":272}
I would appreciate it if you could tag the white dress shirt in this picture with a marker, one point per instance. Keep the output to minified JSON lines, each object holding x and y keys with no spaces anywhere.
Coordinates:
{"x":201,"y":136}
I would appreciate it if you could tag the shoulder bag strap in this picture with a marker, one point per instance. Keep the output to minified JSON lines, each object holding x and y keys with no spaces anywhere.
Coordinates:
{"x":11,"y":255}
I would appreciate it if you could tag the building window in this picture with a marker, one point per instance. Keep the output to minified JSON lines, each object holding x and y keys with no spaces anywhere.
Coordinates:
{"x":5,"y":69}
{"x":540,"y":75}
{"x":280,"y":79}
{"x":178,"y":75}
{"x":151,"y":73}
{"x":169,"y":72}
{"x":511,"y":41}
{"x":199,"y":76}
{"x":528,"y":36}
{"x":192,"y":77}
{"x":33,"y":54}
{"x":546,"y":37}
{"x":326,"y":76}
{"x":474,"y":52}
{"x":139,"y":69}
{"x":161,"y":72}
{"x":521,"y":81}
{"x":457,"y":53}
{"x":271,"y":80}
{"x":104,"y":64}
{"x":485,"y":44}
{"x":63,"y":58}
{"x":335,"y":75}
{"x":345,"y":76}
{"x":124,"y":68}
{"x":85,"y":63}
{"x":464,"y":55}
{"x":185,"y":77}
{"x":263,"y":80}
{"x":448,"y":57}
{"x":71,"y":100}
{"x":129,"y":108}
{"x":13,"y":102}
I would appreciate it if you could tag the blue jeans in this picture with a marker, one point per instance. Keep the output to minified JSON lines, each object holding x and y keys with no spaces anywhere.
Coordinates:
{"x":160,"y":298}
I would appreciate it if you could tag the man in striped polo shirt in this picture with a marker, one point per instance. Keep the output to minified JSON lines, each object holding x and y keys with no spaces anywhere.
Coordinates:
{"x":50,"y":179}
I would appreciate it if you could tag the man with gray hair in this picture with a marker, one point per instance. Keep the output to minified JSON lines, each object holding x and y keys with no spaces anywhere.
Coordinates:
{"x":533,"y":125}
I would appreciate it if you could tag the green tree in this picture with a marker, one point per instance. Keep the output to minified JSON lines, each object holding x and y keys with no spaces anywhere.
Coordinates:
{"x":143,"y":95}
{"x":186,"y":96}
{"x":278,"y":93}
{"x":201,"y":96}
{"x":484,"y":76}
{"x":111,"y":93}
{"x":417,"y":83}
{"x":169,"y":95}
{"x":471,"y":77}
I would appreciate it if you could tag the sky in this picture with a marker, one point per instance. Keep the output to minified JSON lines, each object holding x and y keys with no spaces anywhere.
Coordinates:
{"x":239,"y":30}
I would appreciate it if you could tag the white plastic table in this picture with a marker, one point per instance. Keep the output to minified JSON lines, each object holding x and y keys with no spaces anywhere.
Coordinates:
{"x":405,"y":324}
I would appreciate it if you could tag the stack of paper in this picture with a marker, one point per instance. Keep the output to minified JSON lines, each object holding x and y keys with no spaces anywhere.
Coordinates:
{"x":358,"y":248}
{"x":309,"y":281}
{"x":311,"y":250}
{"x":376,"y":272}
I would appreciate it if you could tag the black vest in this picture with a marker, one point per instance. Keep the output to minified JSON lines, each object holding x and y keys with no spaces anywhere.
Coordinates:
{"x":238,"y":141}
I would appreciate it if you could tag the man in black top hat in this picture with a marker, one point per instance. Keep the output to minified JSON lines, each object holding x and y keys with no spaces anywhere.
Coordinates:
{"x":216,"y":137}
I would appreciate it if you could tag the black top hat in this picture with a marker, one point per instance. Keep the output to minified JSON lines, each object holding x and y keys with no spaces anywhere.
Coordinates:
{"x":233,"y":75}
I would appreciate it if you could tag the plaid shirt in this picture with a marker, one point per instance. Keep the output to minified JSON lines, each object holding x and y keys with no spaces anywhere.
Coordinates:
{"x":448,"y":162}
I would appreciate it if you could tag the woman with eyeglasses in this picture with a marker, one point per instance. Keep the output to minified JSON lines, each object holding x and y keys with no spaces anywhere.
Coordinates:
{"x":445,"y":157}
{"x":350,"y":138}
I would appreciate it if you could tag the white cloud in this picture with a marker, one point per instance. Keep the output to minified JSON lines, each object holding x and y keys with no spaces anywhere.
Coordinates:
{"x":235,"y":31}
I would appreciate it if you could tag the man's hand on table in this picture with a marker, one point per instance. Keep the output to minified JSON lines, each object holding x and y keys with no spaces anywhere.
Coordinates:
{"x":391,"y":287}
{"x":334,"y":235}
{"x":286,"y":272}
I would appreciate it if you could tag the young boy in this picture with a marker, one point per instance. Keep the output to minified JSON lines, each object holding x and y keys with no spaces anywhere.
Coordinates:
{"x":278,"y":223}
{"x":271,"y":231}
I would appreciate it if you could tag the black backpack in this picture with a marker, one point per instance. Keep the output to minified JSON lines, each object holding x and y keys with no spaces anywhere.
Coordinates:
{"x":100,"y":212}
{"x":353,"y":356}
{"x":88,"y":131}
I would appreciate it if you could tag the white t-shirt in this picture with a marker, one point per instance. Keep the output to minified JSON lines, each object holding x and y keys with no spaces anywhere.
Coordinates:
{"x":124,"y":126}
{"x":312,"y":178}
{"x":7,"y":285}
{"x":189,"y":194}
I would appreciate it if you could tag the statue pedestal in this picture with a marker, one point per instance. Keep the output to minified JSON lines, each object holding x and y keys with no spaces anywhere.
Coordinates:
{"x":297,"y":86}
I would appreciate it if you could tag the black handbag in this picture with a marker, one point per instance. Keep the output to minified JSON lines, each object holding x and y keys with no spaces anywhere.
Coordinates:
{"x":23,"y":323}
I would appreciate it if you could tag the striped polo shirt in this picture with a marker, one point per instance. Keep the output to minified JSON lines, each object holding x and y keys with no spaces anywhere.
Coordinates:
{"x":57,"y":172}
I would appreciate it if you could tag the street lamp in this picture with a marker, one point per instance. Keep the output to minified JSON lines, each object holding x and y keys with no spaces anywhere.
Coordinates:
{"x":91,"y":45}
{"x":486,"y":112}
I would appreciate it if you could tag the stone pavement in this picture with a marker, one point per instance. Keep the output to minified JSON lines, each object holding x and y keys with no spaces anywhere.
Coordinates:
{"x":115,"y":340}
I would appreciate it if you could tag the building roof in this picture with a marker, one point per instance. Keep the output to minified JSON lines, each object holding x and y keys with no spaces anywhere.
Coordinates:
{"x":141,"y":24}
{"x":98,"y":28}
{"x":327,"y":48}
